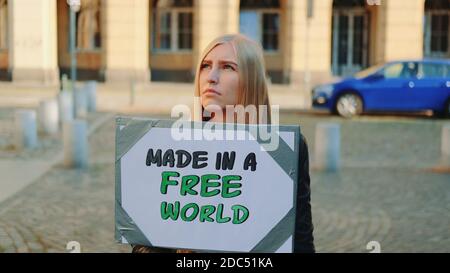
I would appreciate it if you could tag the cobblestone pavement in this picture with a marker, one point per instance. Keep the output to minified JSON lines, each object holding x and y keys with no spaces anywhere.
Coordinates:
{"x":37,"y":161}
{"x":66,"y":205}
{"x":385,"y":192}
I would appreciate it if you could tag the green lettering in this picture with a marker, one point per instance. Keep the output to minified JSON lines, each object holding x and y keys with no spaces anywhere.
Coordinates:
{"x":194,"y":214}
{"x":207,"y":184}
{"x":205,"y":212}
{"x":226,"y":186}
{"x":237,"y":209}
{"x":170,"y":210}
{"x":219,"y":216}
{"x":187,"y":183}
{"x":165,"y":182}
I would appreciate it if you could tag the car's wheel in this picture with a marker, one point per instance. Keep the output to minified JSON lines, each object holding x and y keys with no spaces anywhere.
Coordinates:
{"x":349,"y":105}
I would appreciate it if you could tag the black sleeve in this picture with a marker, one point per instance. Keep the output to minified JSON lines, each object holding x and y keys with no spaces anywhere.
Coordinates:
{"x":303,"y":237}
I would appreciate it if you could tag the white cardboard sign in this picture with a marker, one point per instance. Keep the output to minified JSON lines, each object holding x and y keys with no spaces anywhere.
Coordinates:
{"x":220,"y":195}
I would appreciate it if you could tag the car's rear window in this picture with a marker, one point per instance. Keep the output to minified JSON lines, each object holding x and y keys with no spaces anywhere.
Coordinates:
{"x":431,"y":70}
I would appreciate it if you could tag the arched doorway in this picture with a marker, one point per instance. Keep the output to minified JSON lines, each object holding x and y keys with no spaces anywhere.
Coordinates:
{"x":436,"y":29}
{"x":89,"y":48}
{"x":350,"y":41}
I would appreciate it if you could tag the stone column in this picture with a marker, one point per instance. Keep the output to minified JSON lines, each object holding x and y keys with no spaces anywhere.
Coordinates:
{"x":400,"y":30}
{"x":126,"y":40}
{"x":213,"y":18}
{"x":33,"y":48}
{"x":309,"y":45}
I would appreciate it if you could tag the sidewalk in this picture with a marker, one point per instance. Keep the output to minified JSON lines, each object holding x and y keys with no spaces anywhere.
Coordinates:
{"x":153,"y":97}
{"x":22,"y":168}
{"x":384,"y":191}
{"x":388,"y":197}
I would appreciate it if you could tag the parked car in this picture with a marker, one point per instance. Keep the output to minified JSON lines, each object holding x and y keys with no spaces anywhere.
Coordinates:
{"x":404,"y":86}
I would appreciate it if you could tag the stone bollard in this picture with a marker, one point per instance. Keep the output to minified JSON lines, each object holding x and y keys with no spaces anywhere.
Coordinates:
{"x":26,"y":129}
{"x":75,"y":143}
{"x":91,"y":93}
{"x":65,"y":82}
{"x":48,"y":116}
{"x":65,"y":106}
{"x":445,"y":144}
{"x":327,"y":147}
{"x":80,"y":103}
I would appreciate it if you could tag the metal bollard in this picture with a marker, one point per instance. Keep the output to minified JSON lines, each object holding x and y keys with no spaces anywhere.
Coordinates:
{"x":327,"y":147}
{"x":48,"y":116}
{"x":75,"y":143}
{"x":65,"y":106}
{"x":80,"y":103}
{"x":91,"y":93}
{"x":26,"y":129}
{"x":445,"y":144}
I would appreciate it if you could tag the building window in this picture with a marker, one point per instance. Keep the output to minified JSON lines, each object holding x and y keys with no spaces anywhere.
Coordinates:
{"x":88,"y":26}
{"x":3,"y":24}
{"x":350,"y":37}
{"x":271,"y":26}
{"x":165,"y":20}
{"x":437,"y":31}
{"x":346,"y":4}
{"x":185,"y":30}
{"x":172,"y":25}
{"x":265,"y":15}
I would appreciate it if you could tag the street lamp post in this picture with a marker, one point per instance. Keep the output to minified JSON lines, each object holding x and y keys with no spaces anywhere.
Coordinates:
{"x":74,"y":7}
{"x":307,"y":74}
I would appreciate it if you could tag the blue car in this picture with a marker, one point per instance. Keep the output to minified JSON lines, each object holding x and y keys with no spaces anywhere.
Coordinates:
{"x":400,"y":86}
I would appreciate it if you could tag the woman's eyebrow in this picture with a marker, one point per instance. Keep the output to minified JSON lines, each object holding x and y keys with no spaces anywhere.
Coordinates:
{"x":227,"y":62}
{"x":221,"y":62}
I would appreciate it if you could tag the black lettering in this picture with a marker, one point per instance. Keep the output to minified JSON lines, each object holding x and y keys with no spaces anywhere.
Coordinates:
{"x":197,"y":157}
{"x":152,"y":158}
{"x":218,"y":160}
{"x":228,"y":162}
{"x":169,"y":158}
{"x":180,"y":163}
{"x":250,"y":160}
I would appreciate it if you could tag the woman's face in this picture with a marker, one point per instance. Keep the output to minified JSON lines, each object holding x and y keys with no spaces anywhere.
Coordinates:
{"x":219,"y":77}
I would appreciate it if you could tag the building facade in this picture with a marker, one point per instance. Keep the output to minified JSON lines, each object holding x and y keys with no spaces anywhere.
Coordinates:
{"x":161,"y":40}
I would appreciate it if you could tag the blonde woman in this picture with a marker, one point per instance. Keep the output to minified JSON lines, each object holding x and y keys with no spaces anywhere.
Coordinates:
{"x":231,"y":72}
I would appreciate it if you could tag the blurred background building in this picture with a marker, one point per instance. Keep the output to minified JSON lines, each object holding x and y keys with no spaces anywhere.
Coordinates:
{"x":160,"y":40}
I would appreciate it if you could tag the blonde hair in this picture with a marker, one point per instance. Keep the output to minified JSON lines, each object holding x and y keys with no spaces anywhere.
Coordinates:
{"x":252,"y":73}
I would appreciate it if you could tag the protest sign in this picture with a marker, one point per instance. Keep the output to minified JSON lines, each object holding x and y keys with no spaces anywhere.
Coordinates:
{"x":224,"y":194}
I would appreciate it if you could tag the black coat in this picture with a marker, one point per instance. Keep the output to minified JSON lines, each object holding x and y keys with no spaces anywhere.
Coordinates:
{"x":303,"y":237}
